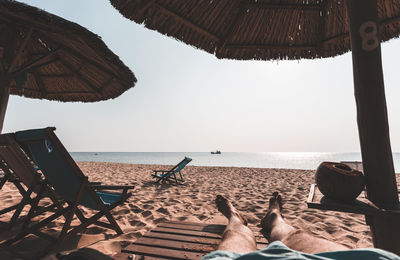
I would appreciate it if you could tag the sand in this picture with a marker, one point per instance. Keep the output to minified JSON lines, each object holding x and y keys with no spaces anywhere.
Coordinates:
{"x":248,"y":188}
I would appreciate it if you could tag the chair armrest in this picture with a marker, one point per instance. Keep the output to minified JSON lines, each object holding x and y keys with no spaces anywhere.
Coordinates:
{"x":94,"y":183}
{"x":112,"y":187}
{"x":160,"y":171}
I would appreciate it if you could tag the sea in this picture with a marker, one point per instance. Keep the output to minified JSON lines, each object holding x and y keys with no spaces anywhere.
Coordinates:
{"x":286,"y":160}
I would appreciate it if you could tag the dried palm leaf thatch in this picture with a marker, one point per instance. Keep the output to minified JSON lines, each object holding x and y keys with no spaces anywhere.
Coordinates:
{"x":47,"y":57}
{"x":258,"y":29}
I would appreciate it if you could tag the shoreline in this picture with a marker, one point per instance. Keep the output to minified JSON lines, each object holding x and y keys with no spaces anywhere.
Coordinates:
{"x":274,"y":160}
{"x":248,"y":188}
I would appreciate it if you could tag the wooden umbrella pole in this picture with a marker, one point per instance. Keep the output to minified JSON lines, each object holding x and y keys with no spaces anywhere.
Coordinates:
{"x":4,"y":94}
{"x":372,"y":120}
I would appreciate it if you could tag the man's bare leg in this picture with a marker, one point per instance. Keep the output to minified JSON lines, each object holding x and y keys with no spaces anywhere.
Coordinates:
{"x":237,"y":236}
{"x":277,"y":229}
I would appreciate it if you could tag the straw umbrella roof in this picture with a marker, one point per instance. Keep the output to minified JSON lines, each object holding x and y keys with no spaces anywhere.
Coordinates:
{"x":258,"y":29}
{"x":45,"y":56}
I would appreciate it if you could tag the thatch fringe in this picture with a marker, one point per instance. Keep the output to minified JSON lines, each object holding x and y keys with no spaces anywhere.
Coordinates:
{"x":60,"y":60}
{"x":257,"y":29}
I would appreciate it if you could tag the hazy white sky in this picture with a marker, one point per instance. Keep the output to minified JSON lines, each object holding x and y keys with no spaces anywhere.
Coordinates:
{"x":188,"y":100}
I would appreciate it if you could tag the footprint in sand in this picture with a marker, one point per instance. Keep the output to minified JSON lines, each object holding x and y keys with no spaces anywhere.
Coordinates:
{"x":330,"y":229}
{"x":136,"y":209}
{"x":123,"y":211}
{"x":133,"y":235}
{"x":202,"y":217}
{"x":262,"y":202}
{"x":159,"y":220}
{"x":146,"y":213}
{"x":148,"y":206}
{"x":94,"y":230}
{"x":352,"y":238}
{"x":137,"y":223}
{"x":163,"y":211}
{"x":309,"y":218}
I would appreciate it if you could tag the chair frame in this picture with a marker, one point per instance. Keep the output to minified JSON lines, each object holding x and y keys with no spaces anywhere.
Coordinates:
{"x":16,"y":166}
{"x":72,"y":208}
{"x":170,"y":175}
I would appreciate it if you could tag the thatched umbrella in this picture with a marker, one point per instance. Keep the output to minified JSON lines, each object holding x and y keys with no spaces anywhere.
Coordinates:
{"x":47,"y":57}
{"x":257,"y":29}
{"x":296,"y":29}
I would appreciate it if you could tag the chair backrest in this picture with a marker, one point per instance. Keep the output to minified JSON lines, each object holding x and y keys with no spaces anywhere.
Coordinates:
{"x":56,"y":164}
{"x":13,"y":158}
{"x":181,"y":165}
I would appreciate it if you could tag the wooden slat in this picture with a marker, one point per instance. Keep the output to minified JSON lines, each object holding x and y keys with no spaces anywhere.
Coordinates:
{"x":176,"y":245}
{"x":200,"y":240}
{"x":218,"y":229}
{"x":215,"y":241}
{"x":201,"y":226}
{"x":188,"y":223}
{"x":187,"y":232}
{"x":194,"y":246}
{"x":311,"y":194}
{"x":212,"y":228}
{"x":129,"y":256}
{"x":158,"y":252}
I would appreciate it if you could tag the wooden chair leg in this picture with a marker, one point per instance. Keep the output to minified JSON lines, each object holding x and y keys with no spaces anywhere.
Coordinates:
{"x":34,"y":205}
{"x":93,"y":219}
{"x":67,"y":223}
{"x":19,"y":187}
{"x":11,"y":208}
{"x":56,"y":201}
{"x":112,"y":221}
{"x":71,"y":213}
{"x":29,"y":230}
{"x":3,"y":181}
{"x":106,"y":212}
{"x":6,"y":176}
{"x":25,"y":200}
{"x":159,"y":179}
{"x":80,"y":215}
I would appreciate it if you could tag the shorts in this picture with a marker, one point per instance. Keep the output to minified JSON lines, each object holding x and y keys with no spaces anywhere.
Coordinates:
{"x":278,"y":251}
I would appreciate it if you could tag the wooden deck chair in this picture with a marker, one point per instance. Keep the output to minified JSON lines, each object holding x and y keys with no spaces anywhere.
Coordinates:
{"x":63,"y":174}
{"x":19,"y":170}
{"x":170,"y":175}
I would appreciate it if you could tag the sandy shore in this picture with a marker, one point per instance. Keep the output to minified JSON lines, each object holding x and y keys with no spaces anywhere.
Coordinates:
{"x":248,"y":188}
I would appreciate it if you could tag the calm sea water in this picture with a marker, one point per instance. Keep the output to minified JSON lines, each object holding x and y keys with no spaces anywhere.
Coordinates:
{"x":308,"y":161}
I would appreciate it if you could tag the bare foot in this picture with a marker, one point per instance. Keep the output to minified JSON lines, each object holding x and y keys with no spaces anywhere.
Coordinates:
{"x":275,"y":202}
{"x":227,"y":209}
{"x":274,"y":209}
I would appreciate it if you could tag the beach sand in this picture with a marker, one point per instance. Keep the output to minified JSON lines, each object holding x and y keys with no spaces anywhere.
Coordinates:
{"x":248,"y":188}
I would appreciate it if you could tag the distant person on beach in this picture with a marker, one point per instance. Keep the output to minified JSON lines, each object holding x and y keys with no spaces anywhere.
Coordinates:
{"x":238,"y":241}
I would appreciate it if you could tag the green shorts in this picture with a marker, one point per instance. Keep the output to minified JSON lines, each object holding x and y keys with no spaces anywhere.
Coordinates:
{"x":278,"y":251}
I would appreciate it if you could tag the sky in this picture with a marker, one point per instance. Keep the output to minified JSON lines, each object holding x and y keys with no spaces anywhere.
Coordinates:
{"x":187,"y":100}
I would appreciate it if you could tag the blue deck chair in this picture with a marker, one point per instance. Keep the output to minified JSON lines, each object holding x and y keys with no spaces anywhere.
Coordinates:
{"x":170,"y":175}
{"x":68,"y":181}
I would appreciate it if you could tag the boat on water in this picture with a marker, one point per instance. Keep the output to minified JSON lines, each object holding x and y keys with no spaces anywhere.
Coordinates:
{"x":216,"y":152}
